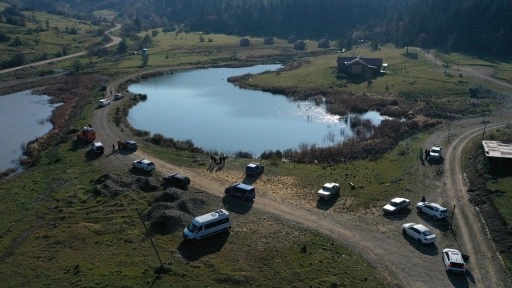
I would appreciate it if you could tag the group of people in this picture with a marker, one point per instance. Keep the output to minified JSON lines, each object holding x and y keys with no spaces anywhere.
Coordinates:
{"x":426,"y":154}
{"x":221,"y":160}
{"x":119,"y":146}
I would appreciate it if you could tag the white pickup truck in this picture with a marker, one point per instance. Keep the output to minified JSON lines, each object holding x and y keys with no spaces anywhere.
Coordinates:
{"x":328,"y":190}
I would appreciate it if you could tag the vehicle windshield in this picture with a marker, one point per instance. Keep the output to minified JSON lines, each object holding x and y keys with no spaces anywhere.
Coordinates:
{"x":326,"y":188}
{"x":435,"y":150}
{"x":192,"y":227}
{"x":394,"y":204}
{"x":427,"y":233}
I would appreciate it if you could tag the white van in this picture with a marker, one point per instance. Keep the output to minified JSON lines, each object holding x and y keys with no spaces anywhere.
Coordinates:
{"x":208,"y":225}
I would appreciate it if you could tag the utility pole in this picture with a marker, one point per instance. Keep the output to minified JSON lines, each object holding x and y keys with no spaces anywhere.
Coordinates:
{"x":152,"y":243}
{"x":449,"y":125}
{"x":451,"y":221}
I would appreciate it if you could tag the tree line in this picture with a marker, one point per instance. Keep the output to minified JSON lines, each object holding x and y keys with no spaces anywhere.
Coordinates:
{"x":455,"y":25}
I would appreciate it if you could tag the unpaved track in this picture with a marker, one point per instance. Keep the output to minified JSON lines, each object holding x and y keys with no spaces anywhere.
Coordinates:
{"x":376,"y":238}
{"x":115,"y":41}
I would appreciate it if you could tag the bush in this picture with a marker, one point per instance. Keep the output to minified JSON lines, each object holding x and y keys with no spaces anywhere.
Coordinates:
{"x":242,"y":154}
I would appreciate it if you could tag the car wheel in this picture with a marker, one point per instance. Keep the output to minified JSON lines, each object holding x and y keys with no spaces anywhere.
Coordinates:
{"x":418,"y":209}
{"x":434,"y":216}
{"x":419,"y":240}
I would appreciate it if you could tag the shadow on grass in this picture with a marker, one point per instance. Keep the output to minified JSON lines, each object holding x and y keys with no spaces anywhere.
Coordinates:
{"x":237,"y":206}
{"x":166,"y":186}
{"x":427,"y":249}
{"x":327,"y":204}
{"x":215,"y":167}
{"x":249,"y":180}
{"x":460,"y":280}
{"x":125,"y":151}
{"x":140,"y":172}
{"x":91,"y":155}
{"x":442,"y":225}
{"x":398,"y":216}
{"x":435,"y":162}
{"x":78,"y":145}
{"x":195,"y":250}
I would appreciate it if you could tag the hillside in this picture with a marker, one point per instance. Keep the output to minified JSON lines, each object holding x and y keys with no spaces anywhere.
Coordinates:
{"x":458,"y":25}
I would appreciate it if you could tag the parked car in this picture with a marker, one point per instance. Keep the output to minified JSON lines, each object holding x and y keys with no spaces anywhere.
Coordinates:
{"x":453,"y":261}
{"x":97,"y":147}
{"x":103,"y":102}
{"x":254,"y":169}
{"x":129,"y":145}
{"x":433,"y":209}
{"x":419,"y":232}
{"x":436,"y":153}
{"x":395,"y":205}
{"x":241,"y":191}
{"x":329,"y":190}
{"x":118,"y":96}
{"x":177,"y":180}
{"x":144,"y":165}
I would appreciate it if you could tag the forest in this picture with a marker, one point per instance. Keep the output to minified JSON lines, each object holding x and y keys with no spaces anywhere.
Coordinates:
{"x":456,"y":25}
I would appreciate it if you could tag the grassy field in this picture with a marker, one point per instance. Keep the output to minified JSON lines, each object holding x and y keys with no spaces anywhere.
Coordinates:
{"x":46,"y":36}
{"x":500,"y":185}
{"x":57,"y":227}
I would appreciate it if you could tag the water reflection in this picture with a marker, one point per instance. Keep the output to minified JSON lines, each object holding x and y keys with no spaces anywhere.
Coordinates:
{"x":23,"y":118}
{"x":201,"y":106}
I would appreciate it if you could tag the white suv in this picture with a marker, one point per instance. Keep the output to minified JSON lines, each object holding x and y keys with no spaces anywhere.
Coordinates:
{"x":329,"y":190}
{"x":97,"y":147}
{"x":103,"y":102}
{"x":453,"y":261}
{"x":144,"y":164}
{"x":433,"y":209}
{"x":436,"y":153}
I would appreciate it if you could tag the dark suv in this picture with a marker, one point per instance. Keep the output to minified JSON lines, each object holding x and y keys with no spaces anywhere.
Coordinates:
{"x":241,"y":191}
{"x":177,"y":180}
{"x":254,"y":169}
{"x":129,"y":145}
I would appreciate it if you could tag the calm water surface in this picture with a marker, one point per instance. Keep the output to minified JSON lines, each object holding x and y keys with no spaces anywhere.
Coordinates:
{"x":23,"y":118}
{"x":201,"y":106}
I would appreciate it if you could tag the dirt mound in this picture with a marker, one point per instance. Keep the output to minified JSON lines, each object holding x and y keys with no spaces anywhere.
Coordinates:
{"x":169,"y":221}
{"x":191,"y":205}
{"x":147,"y":184}
{"x":171,"y":195}
{"x":172,"y":210}
{"x":108,"y":185}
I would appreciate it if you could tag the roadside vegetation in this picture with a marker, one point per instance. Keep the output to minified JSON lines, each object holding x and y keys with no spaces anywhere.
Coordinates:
{"x":31,"y":36}
{"x":491,"y":188}
{"x":87,"y":229}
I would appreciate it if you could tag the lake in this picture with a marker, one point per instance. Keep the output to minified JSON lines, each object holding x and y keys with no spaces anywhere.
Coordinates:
{"x":202,"y":106}
{"x":24,"y":117}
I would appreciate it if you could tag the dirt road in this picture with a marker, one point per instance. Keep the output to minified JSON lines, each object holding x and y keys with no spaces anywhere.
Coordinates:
{"x":115,"y":41}
{"x":376,"y":238}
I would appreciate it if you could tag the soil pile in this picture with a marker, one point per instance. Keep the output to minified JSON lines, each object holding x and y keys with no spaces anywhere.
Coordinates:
{"x":172,"y":210}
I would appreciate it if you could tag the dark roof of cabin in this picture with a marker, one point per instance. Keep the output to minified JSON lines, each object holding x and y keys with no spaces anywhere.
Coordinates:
{"x":375,"y":62}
